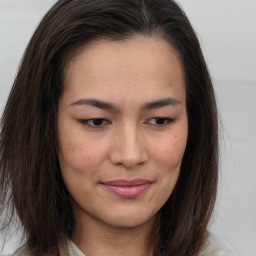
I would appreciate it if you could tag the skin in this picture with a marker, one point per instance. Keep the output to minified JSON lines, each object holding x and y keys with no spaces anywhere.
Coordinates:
{"x":125,"y":142}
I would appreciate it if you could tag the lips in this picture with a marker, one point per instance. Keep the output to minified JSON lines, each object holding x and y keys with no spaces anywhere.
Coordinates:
{"x":127,"y":188}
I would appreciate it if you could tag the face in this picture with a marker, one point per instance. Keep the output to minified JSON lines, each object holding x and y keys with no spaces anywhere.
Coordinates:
{"x":122,"y":129}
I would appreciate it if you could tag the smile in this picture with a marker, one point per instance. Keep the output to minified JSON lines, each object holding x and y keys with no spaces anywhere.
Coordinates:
{"x":128,"y":188}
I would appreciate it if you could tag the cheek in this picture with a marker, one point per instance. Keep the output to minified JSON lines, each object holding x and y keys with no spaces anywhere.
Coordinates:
{"x":168,"y":154}
{"x":169,"y":150}
{"x":81,"y":154}
{"x":80,"y":162}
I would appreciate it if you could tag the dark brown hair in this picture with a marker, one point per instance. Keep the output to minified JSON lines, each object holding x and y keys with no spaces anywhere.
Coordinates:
{"x":31,"y":182}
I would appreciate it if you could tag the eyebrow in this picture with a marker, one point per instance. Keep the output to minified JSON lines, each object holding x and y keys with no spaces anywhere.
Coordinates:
{"x":161,"y":103}
{"x":93,"y":102}
{"x":108,"y":106}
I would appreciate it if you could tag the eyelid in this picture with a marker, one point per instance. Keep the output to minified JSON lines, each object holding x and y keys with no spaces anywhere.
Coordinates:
{"x":166,"y":119}
{"x":87,"y":122}
{"x":105,"y":122}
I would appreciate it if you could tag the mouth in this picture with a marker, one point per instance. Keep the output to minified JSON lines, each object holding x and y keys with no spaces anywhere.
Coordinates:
{"x":128,"y":188}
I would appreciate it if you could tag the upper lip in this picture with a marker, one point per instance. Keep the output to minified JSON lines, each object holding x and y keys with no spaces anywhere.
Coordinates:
{"x":127,"y":183}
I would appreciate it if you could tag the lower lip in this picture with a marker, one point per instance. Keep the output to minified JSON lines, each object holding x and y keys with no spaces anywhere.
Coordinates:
{"x":128,"y":191}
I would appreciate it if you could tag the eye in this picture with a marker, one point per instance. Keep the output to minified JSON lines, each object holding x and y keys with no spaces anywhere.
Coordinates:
{"x":95,"y":122}
{"x":160,"y":121}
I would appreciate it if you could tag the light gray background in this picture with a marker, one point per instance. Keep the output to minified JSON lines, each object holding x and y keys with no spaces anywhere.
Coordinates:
{"x":227,"y":31}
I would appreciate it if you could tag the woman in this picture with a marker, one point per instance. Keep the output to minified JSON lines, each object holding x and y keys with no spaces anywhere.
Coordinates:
{"x":109,"y":142}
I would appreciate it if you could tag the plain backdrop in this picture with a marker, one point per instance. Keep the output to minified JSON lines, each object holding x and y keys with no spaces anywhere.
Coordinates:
{"x":227,"y":32}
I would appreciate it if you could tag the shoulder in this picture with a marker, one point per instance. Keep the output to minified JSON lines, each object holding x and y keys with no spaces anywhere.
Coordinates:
{"x":216,"y":247}
{"x":22,"y":251}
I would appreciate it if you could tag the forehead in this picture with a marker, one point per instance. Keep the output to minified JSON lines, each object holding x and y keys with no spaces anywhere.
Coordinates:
{"x":145,"y":65}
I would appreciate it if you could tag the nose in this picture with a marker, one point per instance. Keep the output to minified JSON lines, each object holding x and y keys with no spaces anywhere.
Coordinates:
{"x":128,"y":149}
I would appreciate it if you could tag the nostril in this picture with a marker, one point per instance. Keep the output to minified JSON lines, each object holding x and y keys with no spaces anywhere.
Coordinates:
{"x":128,"y":161}
{"x":128,"y":149}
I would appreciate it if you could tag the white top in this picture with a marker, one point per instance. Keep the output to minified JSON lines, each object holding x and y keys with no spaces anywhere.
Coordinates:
{"x":213,"y":247}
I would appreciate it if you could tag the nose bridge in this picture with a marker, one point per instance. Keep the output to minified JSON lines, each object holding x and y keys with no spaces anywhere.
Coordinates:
{"x":129,"y":149}
{"x":131,"y":143}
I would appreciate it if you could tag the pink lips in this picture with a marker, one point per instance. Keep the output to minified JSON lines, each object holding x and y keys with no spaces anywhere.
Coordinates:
{"x":127,"y":188}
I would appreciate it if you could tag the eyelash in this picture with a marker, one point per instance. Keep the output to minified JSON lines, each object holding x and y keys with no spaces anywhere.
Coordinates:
{"x":103,"y":122}
{"x":165,"y":119}
{"x":87,"y":122}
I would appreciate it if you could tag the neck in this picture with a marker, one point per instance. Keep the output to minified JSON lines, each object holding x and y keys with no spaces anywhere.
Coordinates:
{"x":103,"y":240}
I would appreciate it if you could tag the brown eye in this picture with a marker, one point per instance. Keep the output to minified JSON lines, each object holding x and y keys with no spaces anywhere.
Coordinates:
{"x":160,"y":121}
{"x":95,"y":122}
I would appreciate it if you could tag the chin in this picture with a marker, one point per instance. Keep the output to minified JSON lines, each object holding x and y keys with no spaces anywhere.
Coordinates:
{"x":128,"y":221}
